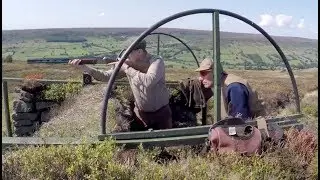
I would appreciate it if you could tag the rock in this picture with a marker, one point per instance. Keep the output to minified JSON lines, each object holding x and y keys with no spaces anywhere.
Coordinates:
{"x":24,"y":130}
{"x":25,"y":96}
{"x":45,"y":116}
{"x":33,"y":87}
{"x":23,"y":123}
{"x":27,"y":130}
{"x":25,"y":116}
{"x":21,"y":106}
{"x":45,"y":104}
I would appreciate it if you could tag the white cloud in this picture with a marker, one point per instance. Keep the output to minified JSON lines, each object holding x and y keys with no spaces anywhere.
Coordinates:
{"x":279,"y":20}
{"x":301,"y":24}
{"x":283,"y":20}
{"x":101,"y":14}
{"x":266,"y":20}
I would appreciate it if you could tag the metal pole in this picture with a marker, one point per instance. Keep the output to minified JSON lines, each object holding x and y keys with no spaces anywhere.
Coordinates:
{"x":174,"y":37}
{"x":217,"y":66}
{"x":158,"y":47}
{"x":6,"y":107}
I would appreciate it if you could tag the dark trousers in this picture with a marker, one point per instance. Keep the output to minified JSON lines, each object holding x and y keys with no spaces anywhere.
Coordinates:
{"x":160,"y":119}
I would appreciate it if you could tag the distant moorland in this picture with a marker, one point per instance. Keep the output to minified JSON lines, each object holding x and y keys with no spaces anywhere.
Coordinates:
{"x":238,"y":50}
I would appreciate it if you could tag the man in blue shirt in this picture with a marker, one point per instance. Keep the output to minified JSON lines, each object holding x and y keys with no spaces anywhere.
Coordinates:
{"x":238,"y":96}
{"x":235,"y":91}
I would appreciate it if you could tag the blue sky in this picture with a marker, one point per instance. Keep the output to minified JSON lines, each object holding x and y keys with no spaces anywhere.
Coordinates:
{"x":297,"y":18}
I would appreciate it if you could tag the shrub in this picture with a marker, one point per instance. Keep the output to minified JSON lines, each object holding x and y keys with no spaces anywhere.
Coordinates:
{"x":65,"y":162}
{"x":8,"y":59}
{"x":59,"y":92}
{"x":303,"y":143}
{"x":310,"y":110}
{"x":296,"y":160}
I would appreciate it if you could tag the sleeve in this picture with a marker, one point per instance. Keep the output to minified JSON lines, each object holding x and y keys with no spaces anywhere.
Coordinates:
{"x":102,"y":75}
{"x":153,"y":75}
{"x":237,"y":96}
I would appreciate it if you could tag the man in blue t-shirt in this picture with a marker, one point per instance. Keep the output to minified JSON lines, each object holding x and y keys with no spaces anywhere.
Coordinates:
{"x":235,"y":93}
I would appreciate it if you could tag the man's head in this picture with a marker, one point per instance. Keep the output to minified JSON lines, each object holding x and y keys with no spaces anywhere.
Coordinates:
{"x":139,"y":51}
{"x":206,"y":72}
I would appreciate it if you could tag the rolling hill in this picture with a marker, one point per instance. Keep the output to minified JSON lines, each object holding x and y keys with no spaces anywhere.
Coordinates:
{"x":252,"y":51}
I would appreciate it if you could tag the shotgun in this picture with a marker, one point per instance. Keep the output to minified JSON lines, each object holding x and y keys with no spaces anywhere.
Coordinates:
{"x":94,"y":60}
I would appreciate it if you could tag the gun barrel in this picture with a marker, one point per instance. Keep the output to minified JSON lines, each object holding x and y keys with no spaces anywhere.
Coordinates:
{"x":66,"y":60}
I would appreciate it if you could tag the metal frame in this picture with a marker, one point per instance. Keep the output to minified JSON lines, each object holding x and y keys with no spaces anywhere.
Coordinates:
{"x":6,"y":107}
{"x":216,"y":50}
{"x":158,"y":46}
{"x":171,"y":137}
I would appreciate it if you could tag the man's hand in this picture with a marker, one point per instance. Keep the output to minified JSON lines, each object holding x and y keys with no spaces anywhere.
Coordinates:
{"x":76,"y":63}
{"x":129,"y":63}
{"x":123,"y":67}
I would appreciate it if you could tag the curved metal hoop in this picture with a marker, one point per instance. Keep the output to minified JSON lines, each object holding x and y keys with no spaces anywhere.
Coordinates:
{"x":176,"y":16}
{"x":194,"y":56}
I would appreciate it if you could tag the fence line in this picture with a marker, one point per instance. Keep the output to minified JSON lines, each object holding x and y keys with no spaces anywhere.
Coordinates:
{"x":5,"y":92}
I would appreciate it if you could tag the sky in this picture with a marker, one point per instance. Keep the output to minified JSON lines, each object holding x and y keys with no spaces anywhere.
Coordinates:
{"x":297,"y":18}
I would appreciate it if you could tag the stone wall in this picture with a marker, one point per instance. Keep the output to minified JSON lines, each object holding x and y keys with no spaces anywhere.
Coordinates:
{"x":30,"y":110}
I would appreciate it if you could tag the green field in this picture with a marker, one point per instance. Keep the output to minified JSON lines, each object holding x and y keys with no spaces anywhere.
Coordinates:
{"x":237,"y":50}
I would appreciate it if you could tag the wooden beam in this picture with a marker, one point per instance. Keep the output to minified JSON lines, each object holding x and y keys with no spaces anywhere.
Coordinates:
{"x":161,"y":142}
{"x":164,"y":142}
{"x":188,"y":131}
{"x":146,"y":142}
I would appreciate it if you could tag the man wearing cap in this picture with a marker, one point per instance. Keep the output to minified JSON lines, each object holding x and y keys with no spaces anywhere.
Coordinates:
{"x":237,"y":97}
{"x":146,"y":75}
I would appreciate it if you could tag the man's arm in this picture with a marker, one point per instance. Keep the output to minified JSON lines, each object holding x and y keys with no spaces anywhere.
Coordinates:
{"x":237,"y":96}
{"x":102,"y":75}
{"x":152,"y":76}
{"x":96,"y":74}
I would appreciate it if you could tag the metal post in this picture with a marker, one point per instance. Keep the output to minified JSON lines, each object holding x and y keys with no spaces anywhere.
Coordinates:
{"x":158,"y":47}
{"x":217,"y":66}
{"x":6,"y":107}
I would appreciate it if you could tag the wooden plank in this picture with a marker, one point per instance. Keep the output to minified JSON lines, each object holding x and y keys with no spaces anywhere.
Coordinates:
{"x":288,"y":117}
{"x":297,"y":126}
{"x":177,"y":141}
{"x":6,"y":108}
{"x":164,"y":141}
{"x":157,"y":133}
{"x":287,"y":122}
{"x":167,"y":141}
{"x":188,"y":131}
